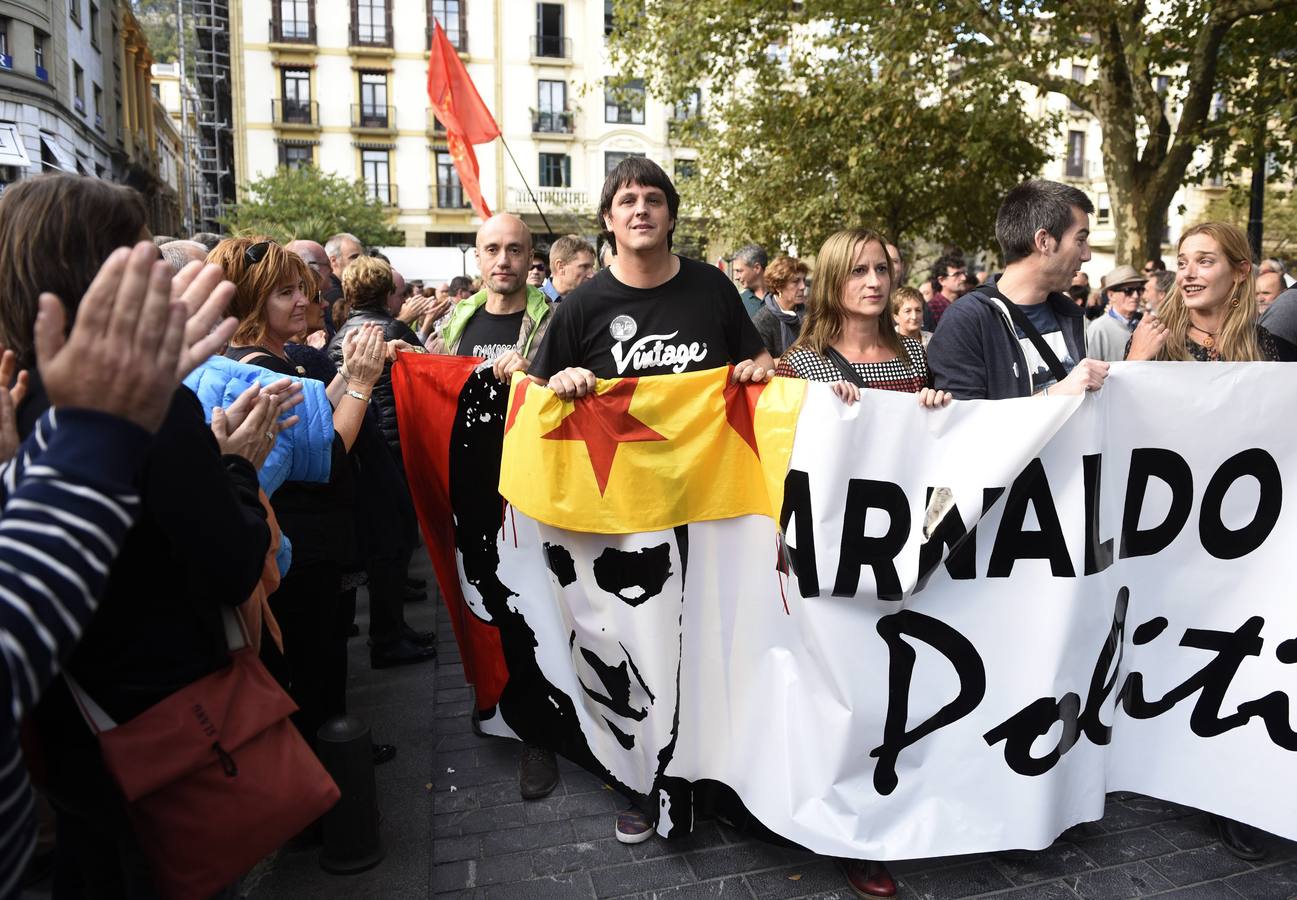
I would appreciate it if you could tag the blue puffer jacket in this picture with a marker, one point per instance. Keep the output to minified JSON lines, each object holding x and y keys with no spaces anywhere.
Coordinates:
{"x":303,"y":452}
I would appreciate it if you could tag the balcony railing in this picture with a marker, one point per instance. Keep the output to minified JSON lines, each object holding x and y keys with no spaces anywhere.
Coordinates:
{"x":99,"y":121}
{"x":6,"y":61}
{"x":551,"y":46}
{"x":550,"y":122}
{"x":458,"y":38}
{"x":295,"y":112}
{"x":434,"y":124}
{"x":371,"y":35}
{"x":447,"y":196}
{"x":79,"y":105}
{"x":367,"y":115}
{"x":549,"y":198}
{"x":42,"y":73}
{"x":292,"y":31}
{"x":386,"y":193}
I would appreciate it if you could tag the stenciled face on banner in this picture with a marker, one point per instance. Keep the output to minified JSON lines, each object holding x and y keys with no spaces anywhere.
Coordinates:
{"x":622,"y":600}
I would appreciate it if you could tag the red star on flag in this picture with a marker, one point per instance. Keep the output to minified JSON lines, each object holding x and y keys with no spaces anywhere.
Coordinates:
{"x":604,"y":421}
{"x":519,"y":395}
{"x":741,"y":410}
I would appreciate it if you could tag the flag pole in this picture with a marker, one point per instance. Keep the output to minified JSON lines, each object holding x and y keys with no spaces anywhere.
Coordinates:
{"x":530,"y":193}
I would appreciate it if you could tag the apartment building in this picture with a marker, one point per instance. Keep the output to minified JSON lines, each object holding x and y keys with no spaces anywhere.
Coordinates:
{"x":75,"y":96}
{"x":347,"y":92}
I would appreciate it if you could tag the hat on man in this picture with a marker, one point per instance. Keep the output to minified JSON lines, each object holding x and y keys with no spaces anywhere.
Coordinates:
{"x":1121,"y":277}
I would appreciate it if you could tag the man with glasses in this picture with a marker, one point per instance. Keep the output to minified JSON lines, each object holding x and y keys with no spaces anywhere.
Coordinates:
{"x":538,"y":271}
{"x":1107,"y":336}
{"x":948,"y":272}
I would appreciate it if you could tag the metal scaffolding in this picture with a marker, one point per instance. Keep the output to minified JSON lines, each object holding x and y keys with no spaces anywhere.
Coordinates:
{"x":214,"y":143}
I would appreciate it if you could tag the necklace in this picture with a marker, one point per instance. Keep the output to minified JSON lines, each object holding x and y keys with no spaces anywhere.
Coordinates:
{"x":1209,"y":342}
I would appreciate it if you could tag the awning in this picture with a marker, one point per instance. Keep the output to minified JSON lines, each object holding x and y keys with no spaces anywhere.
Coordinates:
{"x":67,"y":162}
{"x":298,"y":142}
{"x":12,"y":151}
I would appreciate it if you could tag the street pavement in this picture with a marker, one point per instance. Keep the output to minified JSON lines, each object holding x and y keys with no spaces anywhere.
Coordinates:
{"x":454,"y":826}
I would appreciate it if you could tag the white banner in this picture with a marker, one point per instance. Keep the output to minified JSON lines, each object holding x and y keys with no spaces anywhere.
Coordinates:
{"x":1098,"y":597}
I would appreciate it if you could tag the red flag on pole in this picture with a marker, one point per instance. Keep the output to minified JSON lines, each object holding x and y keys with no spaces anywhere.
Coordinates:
{"x":460,"y":109}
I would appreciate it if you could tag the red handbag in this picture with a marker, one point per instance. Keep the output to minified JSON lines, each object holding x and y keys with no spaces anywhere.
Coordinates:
{"x":215,"y":776}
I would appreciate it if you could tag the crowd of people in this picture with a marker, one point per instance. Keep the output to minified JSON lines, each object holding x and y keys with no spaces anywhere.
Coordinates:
{"x":221,"y":405}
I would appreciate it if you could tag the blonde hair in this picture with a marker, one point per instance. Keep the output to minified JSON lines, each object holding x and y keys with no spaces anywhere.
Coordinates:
{"x":824,"y":310}
{"x":903,"y":295}
{"x":366,"y":284}
{"x":255,"y":282}
{"x":1237,"y":340}
{"x":783,"y":270}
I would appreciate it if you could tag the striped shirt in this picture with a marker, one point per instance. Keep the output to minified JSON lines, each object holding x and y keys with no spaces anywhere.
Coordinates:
{"x":68,"y":498}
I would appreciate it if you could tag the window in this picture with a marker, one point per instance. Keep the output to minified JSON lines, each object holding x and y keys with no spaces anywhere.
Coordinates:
{"x":38,"y":51}
{"x":450,"y":193}
{"x":450,"y":13}
{"x":551,"y":107}
{"x":689,"y":107}
{"x":294,"y":20}
{"x":549,"y":30}
{"x":99,"y":106}
{"x":78,"y":88}
{"x":1078,"y":75}
{"x":1103,"y":209}
{"x":613,"y":160}
{"x":686,"y":168}
{"x":1075,"y":154}
{"x":1160,"y":84}
{"x":94,"y":26}
{"x":624,"y":104}
{"x":607,"y":17}
{"x":296,"y":84}
{"x":74,"y":12}
{"x":555,"y":170}
{"x":6,"y":61}
{"x":374,"y":173}
{"x":371,"y":21}
{"x":373,"y":100}
{"x":294,"y":156}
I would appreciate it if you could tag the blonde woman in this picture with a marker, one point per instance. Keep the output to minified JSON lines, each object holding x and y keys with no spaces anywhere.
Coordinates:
{"x":849,"y":338}
{"x":1211,"y":313}
{"x":907,"y":313}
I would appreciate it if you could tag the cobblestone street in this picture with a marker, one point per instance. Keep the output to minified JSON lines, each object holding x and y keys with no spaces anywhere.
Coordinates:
{"x":469,"y":834}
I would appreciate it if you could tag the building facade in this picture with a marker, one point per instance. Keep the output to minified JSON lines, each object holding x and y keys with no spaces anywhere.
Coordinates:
{"x":75,"y":96}
{"x":348,"y":93}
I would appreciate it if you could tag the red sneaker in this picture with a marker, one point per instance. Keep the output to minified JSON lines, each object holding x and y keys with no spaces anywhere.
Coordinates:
{"x":868,"y":878}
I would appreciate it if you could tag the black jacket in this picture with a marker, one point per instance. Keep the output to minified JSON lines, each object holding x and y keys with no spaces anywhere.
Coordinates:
{"x":383,"y":399}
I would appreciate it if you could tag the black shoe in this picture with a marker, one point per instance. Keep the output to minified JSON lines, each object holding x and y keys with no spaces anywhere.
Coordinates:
{"x":400,"y":653}
{"x":419,"y":638}
{"x":384,"y":753}
{"x":1243,"y":841}
{"x":416,"y":584}
{"x":537,"y":772}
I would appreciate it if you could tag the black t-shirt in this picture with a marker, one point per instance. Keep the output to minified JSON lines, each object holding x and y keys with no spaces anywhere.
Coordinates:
{"x":488,"y":334}
{"x":1041,"y":315}
{"x":693,"y":321}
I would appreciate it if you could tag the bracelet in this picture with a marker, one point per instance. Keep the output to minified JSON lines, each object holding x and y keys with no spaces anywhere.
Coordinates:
{"x":358,"y":395}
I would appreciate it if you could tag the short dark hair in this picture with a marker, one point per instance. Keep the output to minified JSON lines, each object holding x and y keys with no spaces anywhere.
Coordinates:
{"x":642,"y":171}
{"x":753,"y":255}
{"x":1158,"y":264}
{"x":947,"y":261}
{"x":460,"y":283}
{"x":1034,"y":205}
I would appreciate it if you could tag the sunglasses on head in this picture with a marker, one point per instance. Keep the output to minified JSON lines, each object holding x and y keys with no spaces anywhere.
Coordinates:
{"x":256,"y":253}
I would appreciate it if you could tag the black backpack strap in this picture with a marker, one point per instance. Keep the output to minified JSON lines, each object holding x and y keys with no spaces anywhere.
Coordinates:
{"x":1042,"y":347}
{"x":845,"y":368}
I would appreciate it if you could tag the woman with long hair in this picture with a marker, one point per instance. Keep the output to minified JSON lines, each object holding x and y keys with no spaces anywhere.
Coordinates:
{"x":850,"y":340}
{"x":849,"y":337}
{"x":1211,"y":313}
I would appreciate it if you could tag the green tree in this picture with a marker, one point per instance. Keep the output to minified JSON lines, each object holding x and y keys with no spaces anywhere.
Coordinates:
{"x":1279,"y":222}
{"x":310,"y":204}
{"x":158,"y":19}
{"x":960,"y":52}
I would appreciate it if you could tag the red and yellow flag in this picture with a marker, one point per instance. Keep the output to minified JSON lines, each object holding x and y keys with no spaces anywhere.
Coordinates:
{"x":646,"y":454}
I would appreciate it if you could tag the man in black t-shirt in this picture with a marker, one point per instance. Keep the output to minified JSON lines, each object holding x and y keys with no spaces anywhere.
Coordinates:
{"x":650,"y":312}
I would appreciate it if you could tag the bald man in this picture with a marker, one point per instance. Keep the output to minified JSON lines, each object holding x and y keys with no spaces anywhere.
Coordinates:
{"x":1269,"y":285}
{"x":506,"y":320}
{"x":315,"y":257}
{"x":181,"y":253}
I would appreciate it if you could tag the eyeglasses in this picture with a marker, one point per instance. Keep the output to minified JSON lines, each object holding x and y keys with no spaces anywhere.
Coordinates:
{"x":961,"y":275}
{"x":538,"y":267}
{"x":1135,"y":290}
{"x":256,"y":253}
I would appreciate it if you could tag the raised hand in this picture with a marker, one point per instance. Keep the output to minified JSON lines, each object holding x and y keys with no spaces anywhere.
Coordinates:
{"x":9,"y":401}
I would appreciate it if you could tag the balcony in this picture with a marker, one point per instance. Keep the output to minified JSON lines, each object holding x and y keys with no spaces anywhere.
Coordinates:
{"x":551,"y":122}
{"x":550,"y":47}
{"x":42,"y":73}
{"x":434,"y":124}
{"x":376,"y":36}
{"x":458,"y":38}
{"x":549,"y":198}
{"x":99,"y":121}
{"x":79,"y":105}
{"x":295,"y":113}
{"x":368,"y":117}
{"x":292,"y":31}
{"x":384,"y":193}
{"x":447,"y":196}
{"x":6,"y":61}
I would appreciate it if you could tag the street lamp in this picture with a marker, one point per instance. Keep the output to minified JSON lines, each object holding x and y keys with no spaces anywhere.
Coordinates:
{"x":463,"y":249}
